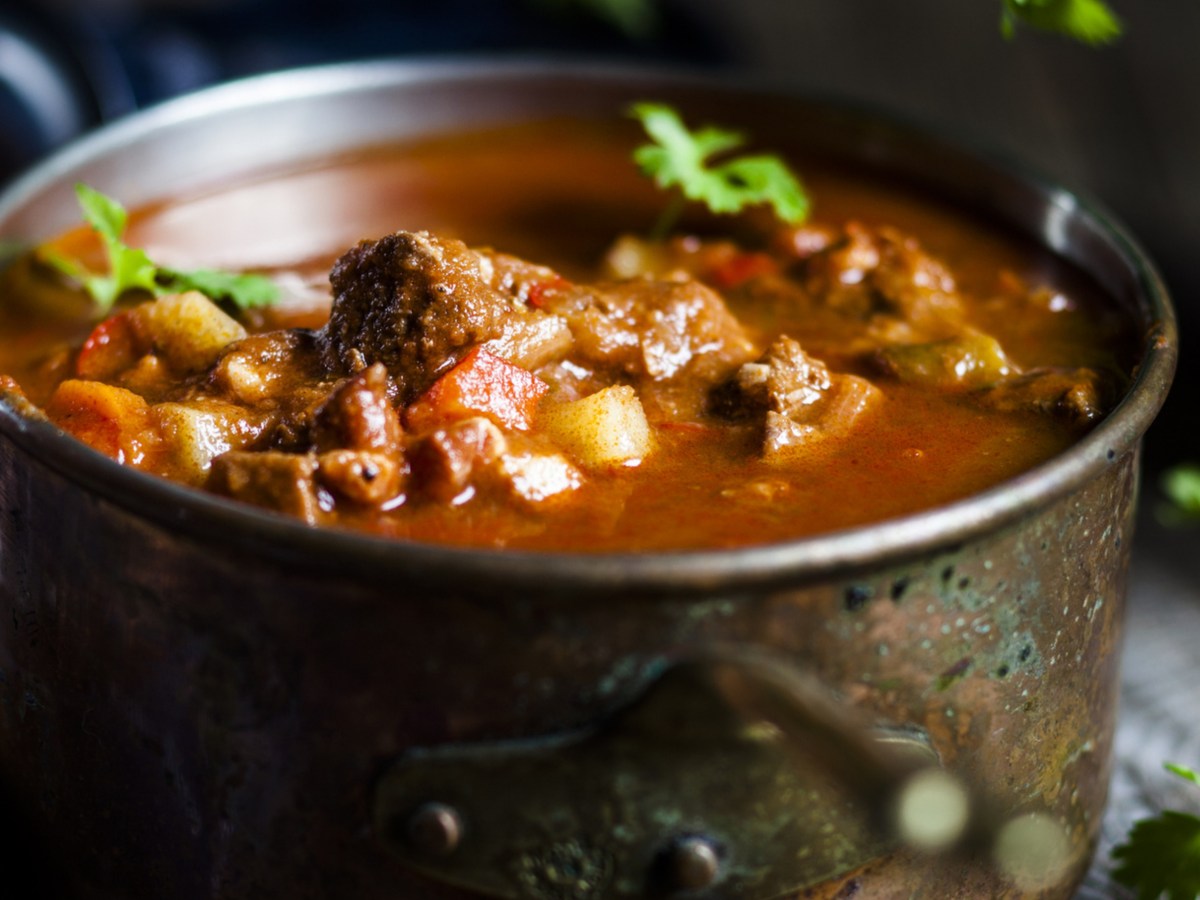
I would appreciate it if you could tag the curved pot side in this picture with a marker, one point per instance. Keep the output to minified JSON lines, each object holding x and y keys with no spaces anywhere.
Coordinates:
{"x":180,"y":719}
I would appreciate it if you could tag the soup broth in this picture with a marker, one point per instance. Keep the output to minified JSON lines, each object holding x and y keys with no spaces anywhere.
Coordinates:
{"x":892,"y":355}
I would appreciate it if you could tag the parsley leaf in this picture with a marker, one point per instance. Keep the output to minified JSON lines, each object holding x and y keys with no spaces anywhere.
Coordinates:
{"x":678,"y":157}
{"x":1181,"y":484}
{"x":130,"y":269}
{"x":1162,"y":855}
{"x":244,"y":291}
{"x":1089,"y":21}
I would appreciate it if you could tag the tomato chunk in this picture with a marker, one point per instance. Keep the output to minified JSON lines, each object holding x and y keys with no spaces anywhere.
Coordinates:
{"x":480,"y":384}
{"x":111,"y":348}
{"x":742,"y":268}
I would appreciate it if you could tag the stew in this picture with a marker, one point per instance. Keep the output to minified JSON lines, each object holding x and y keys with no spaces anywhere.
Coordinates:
{"x":578,"y":387}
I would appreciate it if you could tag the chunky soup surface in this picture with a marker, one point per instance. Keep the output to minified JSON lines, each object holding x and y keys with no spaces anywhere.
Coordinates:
{"x":476,"y":348}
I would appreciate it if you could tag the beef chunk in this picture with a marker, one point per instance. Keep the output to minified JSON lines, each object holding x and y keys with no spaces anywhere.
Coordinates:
{"x":445,"y":460}
{"x":358,"y":415}
{"x":366,"y":477}
{"x":275,"y":480}
{"x":798,"y":401}
{"x":264,"y":367}
{"x":416,"y":303}
{"x":654,"y":329}
{"x":882,"y":273}
{"x":452,"y":464}
{"x":664,"y":336}
{"x":1081,"y":396}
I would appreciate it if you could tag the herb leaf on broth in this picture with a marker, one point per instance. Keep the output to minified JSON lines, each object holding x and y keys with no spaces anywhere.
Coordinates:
{"x":130,"y":269}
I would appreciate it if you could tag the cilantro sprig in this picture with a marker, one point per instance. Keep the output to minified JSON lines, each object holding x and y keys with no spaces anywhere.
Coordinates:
{"x":1088,"y":21}
{"x":1162,"y":854}
{"x":130,"y":269}
{"x":688,"y":160}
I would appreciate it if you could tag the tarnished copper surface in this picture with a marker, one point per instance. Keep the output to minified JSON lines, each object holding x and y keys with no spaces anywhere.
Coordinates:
{"x":221,"y":720}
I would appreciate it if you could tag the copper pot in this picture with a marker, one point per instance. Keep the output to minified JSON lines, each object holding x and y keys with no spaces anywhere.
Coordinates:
{"x":203,"y":700}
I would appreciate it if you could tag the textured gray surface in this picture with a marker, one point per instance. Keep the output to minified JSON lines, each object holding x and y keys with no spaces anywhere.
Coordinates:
{"x":1160,"y":703}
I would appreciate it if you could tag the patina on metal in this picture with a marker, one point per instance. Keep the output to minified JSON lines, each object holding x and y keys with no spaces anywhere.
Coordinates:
{"x":684,"y":790}
{"x":199,"y":700}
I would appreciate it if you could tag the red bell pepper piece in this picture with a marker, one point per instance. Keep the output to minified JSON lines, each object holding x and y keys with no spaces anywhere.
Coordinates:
{"x":741,"y":268}
{"x":111,"y":348}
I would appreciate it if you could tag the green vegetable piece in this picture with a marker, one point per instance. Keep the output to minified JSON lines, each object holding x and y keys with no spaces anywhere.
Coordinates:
{"x":130,"y":269}
{"x":1089,"y":21}
{"x":680,"y":158}
{"x":1181,"y":484}
{"x":1162,"y":854}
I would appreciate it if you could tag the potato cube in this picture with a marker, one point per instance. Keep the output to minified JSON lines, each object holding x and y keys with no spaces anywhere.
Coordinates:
{"x":607,"y":428}
{"x":194,"y":433}
{"x":188,"y":329}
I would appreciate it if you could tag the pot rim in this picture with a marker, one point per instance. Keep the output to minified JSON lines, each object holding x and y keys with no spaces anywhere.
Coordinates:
{"x":211,"y":518}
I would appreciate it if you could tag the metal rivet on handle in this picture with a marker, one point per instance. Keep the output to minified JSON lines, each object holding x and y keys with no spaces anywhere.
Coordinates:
{"x":691,"y":864}
{"x":435,"y":829}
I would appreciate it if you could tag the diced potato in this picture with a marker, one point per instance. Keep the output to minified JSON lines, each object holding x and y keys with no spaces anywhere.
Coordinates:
{"x":188,"y":329}
{"x":607,"y":428}
{"x":194,"y":433}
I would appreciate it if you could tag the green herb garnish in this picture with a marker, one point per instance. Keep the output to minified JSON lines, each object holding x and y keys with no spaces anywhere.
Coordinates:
{"x":1162,"y":854}
{"x":1089,"y":21}
{"x":1181,"y":484}
{"x":130,"y":269}
{"x":679,"y":158}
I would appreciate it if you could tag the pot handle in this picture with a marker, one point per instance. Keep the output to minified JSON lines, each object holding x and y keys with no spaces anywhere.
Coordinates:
{"x":732,"y":771}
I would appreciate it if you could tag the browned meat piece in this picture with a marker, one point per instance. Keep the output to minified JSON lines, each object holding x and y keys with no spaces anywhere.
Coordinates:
{"x":359,"y":416}
{"x":416,"y":303}
{"x":785,"y":380}
{"x":660,"y":334}
{"x":275,"y":480}
{"x":519,"y":278}
{"x":367,"y":477}
{"x":1078,"y":395}
{"x":800,"y":402}
{"x":453,"y":463}
{"x":444,"y":461}
{"x":802,"y":241}
{"x":883,"y":273}
{"x":264,"y":367}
